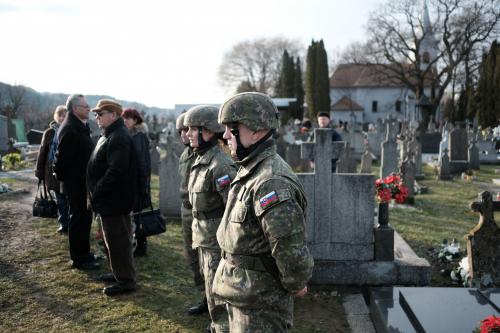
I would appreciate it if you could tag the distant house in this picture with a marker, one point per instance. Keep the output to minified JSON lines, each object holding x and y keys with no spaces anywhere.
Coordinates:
{"x":369,"y":92}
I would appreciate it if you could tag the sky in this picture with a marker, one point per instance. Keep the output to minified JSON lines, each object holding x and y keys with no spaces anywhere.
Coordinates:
{"x":158,"y":53}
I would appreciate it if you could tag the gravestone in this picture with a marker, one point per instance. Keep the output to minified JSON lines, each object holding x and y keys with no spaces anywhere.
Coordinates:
{"x":473,"y":156}
{"x":444,"y":166}
{"x":343,"y":218}
{"x":155,"y":159}
{"x":34,"y":137}
{"x":408,"y":176}
{"x":430,"y":143}
{"x":458,"y":144}
{"x":487,"y":152}
{"x":4,"y":137}
{"x":170,"y":199}
{"x":431,"y":310}
{"x":483,"y":244}
{"x":292,"y":156}
{"x":340,"y":225}
{"x":389,"y":163}
{"x":366,"y":161}
{"x":346,"y":162}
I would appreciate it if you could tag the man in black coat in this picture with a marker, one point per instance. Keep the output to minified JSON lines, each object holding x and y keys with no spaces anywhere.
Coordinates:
{"x":112,"y":186}
{"x":73,"y":152}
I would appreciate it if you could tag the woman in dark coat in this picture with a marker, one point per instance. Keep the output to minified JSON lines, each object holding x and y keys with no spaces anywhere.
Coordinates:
{"x":43,"y":169}
{"x":139,"y":132}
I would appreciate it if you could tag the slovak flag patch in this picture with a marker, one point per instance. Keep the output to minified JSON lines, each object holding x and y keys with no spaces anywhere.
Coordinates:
{"x":223,"y":181}
{"x":268,"y":199}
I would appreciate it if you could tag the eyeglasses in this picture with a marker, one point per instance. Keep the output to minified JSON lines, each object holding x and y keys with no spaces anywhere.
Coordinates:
{"x":85,"y":107}
{"x":100,"y":114}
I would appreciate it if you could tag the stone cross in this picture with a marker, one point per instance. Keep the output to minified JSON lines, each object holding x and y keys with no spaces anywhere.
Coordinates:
{"x":483,"y":244}
{"x":340,"y":206}
{"x":389,"y":155}
{"x":366,"y":161}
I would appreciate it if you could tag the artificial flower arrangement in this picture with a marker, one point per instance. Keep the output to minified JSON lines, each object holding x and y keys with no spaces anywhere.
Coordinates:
{"x":490,"y":324}
{"x":391,"y":187}
{"x":460,"y":274}
{"x":449,"y":251}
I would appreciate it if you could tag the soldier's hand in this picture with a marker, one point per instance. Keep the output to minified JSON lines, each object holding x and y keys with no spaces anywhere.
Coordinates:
{"x":301,"y":292}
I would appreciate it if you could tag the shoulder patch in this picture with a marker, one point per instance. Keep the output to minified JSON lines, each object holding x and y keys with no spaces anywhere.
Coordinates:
{"x":224,"y":180}
{"x":268,"y":199}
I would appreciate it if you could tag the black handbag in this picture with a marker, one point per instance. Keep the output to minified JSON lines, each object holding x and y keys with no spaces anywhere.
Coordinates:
{"x":149,"y":223}
{"x":44,"y":205}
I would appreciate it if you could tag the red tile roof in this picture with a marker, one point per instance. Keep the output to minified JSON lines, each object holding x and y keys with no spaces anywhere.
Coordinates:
{"x":346,"y":104}
{"x":366,"y":75}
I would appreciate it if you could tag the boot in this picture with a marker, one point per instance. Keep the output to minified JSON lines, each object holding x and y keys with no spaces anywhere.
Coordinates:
{"x":142,"y":247}
{"x":198,"y":309}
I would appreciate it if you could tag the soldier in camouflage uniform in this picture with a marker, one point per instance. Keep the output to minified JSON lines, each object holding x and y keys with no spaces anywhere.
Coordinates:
{"x":209,"y":180}
{"x":262,"y":233}
{"x":186,"y":160}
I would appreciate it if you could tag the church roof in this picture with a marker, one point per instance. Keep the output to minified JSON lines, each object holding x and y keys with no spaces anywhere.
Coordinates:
{"x":366,"y":75}
{"x":346,"y":104}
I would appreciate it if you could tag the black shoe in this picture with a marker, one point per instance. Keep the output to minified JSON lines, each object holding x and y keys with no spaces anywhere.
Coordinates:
{"x":107,"y":278}
{"x":86,"y":266}
{"x":62,"y":230}
{"x":198,"y":309}
{"x":116,"y":289}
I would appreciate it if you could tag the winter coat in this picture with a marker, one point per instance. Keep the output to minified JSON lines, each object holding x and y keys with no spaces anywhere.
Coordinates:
{"x":44,"y":162}
{"x":139,"y":135}
{"x":73,"y":152}
{"x":112,"y":172}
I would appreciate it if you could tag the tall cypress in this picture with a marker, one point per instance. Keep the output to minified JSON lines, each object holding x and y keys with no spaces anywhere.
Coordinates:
{"x":317,"y":82}
{"x":285,"y":86}
{"x":299,"y":90}
{"x":488,"y":88}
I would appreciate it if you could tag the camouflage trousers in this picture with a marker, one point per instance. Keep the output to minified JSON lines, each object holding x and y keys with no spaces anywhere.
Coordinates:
{"x":209,"y":260}
{"x":276,"y":318}
{"x":191,"y":255}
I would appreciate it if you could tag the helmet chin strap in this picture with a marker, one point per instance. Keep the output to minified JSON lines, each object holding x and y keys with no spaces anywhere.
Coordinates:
{"x":202,"y":144}
{"x":242,"y":152}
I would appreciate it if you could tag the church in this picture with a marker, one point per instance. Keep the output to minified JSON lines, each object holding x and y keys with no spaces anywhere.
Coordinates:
{"x":365,"y":92}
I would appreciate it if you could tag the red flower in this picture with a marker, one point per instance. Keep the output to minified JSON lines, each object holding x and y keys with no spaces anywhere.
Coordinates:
{"x":391,"y":187}
{"x":490,"y":324}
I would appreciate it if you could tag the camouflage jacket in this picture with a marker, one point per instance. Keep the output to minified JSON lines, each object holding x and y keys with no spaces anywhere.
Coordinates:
{"x":209,"y":180}
{"x":186,"y":160}
{"x":264,"y":216}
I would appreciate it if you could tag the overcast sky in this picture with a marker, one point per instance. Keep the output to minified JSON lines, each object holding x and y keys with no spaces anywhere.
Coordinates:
{"x":159,"y":53}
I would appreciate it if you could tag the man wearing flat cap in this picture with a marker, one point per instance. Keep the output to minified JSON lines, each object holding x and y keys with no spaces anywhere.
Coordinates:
{"x":112,"y":186}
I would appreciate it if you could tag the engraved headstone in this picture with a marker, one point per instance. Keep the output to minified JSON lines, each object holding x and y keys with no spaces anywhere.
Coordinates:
{"x":389,"y":156}
{"x":170,"y":199}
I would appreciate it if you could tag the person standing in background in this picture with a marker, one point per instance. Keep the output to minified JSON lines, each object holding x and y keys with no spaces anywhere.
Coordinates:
{"x":43,"y":171}
{"x":139,"y":132}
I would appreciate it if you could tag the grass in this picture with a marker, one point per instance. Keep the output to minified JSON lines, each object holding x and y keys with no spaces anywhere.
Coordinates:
{"x":442,"y":213}
{"x":40,"y":293}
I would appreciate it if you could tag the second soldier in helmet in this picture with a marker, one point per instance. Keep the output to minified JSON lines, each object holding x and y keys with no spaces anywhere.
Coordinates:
{"x":208,"y":187}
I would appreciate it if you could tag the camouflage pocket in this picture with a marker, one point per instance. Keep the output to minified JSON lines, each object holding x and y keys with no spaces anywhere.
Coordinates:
{"x":238,"y":213}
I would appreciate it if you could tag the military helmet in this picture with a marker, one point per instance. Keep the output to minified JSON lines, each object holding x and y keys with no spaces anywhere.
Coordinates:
{"x":255,"y":110}
{"x":203,"y":116}
{"x":179,"y":123}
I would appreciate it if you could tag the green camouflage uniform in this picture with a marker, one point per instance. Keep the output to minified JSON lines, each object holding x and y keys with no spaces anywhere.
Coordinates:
{"x":186,"y":160}
{"x":262,"y":237}
{"x":209,"y":181}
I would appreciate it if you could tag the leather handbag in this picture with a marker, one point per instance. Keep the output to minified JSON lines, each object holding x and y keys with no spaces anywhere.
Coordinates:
{"x":149,"y":223}
{"x":44,"y":205}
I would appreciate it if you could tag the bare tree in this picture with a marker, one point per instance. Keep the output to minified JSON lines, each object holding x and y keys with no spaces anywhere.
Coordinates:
{"x":15,"y":100}
{"x":397,"y":35}
{"x":256,"y":63}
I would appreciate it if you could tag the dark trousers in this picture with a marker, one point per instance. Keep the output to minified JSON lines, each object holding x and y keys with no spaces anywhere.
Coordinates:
{"x":117,"y":236}
{"x":80,"y":221}
{"x":63,"y":210}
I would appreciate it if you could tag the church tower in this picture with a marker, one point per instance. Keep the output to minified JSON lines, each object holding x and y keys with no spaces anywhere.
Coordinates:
{"x":428,"y":49}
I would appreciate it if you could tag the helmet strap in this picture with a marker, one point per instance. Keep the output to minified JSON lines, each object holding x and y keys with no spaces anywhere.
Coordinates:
{"x":202,"y":144}
{"x":242,"y":152}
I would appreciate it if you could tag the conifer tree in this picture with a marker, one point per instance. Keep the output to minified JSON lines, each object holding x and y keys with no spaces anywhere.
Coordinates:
{"x":317,"y":83}
{"x":299,"y":90}
{"x":488,"y":89}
